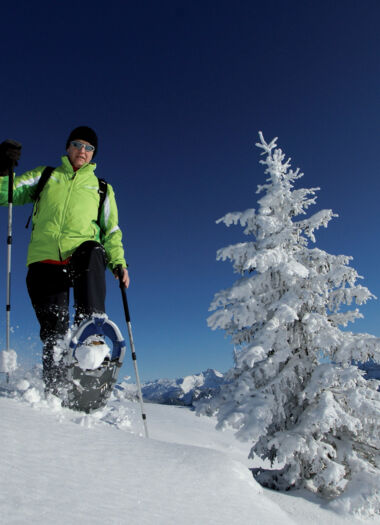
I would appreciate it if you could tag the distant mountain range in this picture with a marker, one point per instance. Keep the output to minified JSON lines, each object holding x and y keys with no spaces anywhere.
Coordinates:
{"x":183,"y":391}
{"x":372,"y":369}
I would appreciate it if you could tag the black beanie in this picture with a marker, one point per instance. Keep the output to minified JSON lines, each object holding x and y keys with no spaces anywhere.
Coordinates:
{"x":84,"y":133}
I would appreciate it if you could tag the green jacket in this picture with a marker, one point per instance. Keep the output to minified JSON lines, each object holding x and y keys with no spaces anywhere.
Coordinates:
{"x":66,"y":214}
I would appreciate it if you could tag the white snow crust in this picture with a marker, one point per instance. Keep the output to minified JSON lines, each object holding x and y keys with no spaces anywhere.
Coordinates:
{"x":60,"y":466}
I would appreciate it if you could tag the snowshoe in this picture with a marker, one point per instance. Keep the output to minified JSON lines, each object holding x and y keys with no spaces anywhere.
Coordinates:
{"x":92,"y":367}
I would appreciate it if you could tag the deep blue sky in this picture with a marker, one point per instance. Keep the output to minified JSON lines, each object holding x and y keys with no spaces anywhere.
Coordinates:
{"x":177,"y":91}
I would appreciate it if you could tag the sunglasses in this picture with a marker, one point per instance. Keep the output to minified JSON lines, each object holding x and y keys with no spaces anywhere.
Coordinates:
{"x":80,"y":145}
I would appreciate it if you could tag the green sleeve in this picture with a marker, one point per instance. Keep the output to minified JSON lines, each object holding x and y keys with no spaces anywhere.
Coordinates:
{"x":112,"y":236}
{"x":23,"y":187}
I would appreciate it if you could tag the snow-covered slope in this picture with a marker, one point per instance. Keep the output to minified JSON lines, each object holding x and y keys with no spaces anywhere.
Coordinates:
{"x":56,"y":471}
{"x":60,"y":466}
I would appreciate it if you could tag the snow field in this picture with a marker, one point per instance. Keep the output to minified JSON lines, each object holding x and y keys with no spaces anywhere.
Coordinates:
{"x":60,"y":466}
{"x":66,"y":468}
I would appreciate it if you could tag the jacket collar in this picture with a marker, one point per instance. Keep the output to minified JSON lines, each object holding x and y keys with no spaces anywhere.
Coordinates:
{"x":68,"y":167}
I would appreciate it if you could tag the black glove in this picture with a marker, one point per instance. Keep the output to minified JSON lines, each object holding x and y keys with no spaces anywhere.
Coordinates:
{"x":10,"y":152}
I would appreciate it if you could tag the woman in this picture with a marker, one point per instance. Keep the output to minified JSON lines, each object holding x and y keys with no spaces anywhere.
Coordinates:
{"x":73,"y":239}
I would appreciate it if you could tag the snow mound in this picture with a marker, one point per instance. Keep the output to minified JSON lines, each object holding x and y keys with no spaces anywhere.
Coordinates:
{"x":51,"y":474}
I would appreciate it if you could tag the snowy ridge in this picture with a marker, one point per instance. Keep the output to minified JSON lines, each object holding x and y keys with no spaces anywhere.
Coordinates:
{"x":181,"y":391}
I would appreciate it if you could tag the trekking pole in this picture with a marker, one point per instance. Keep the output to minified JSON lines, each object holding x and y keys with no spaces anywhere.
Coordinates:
{"x":120,"y":273}
{"x":10,"y":152}
{"x":9,"y":253}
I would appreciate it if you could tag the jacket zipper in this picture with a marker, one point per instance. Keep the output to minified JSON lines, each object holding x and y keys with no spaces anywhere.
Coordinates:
{"x":64,"y":215}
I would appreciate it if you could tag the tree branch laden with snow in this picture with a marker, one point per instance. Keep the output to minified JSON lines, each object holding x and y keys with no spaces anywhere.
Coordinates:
{"x":318,"y":422}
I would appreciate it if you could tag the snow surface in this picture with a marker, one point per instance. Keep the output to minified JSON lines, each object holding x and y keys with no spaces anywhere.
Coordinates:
{"x":60,"y":466}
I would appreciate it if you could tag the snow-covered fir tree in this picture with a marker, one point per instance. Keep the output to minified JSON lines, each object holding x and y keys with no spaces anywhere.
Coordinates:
{"x":316,"y":419}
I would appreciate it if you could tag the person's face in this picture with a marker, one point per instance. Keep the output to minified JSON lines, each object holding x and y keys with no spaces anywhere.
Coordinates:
{"x":79,"y":156}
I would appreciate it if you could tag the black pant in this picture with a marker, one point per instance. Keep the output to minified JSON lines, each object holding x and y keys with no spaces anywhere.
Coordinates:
{"x":49,"y":286}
